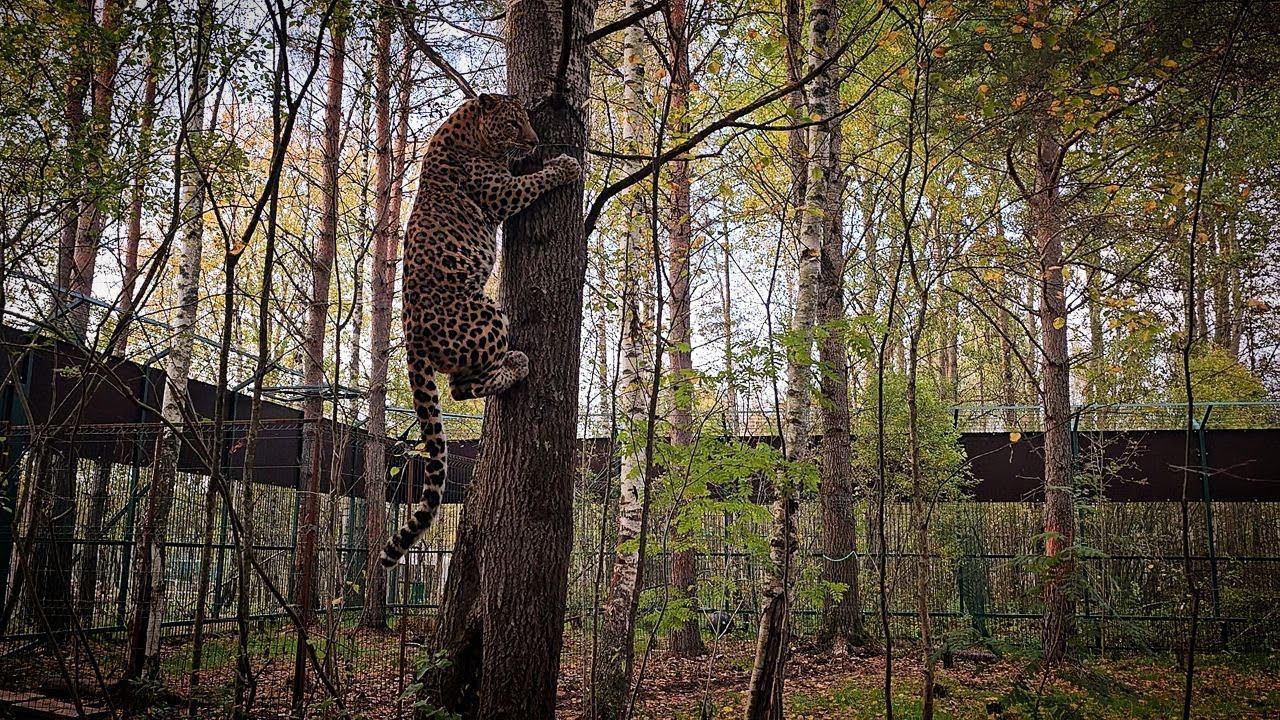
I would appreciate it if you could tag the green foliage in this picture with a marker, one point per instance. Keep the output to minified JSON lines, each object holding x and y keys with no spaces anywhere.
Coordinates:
{"x":942,"y":460}
{"x":1215,"y":376}
{"x":427,"y":663}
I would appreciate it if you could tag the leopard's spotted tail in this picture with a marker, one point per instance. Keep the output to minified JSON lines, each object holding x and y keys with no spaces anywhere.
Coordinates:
{"x":426,"y":403}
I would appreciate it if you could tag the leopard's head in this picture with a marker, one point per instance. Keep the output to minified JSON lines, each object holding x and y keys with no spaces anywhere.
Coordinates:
{"x":505,"y":126}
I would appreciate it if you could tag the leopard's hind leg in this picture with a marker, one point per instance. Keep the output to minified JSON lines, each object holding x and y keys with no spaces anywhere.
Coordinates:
{"x":484,"y":365}
{"x":490,"y":380}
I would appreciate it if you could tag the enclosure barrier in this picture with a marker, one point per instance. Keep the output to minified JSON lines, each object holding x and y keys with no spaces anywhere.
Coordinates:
{"x":984,"y":587}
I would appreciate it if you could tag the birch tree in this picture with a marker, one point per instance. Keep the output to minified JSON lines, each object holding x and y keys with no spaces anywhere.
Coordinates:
{"x":614,"y":656}
{"x":764,"y":696}
{"x":149,"y":594}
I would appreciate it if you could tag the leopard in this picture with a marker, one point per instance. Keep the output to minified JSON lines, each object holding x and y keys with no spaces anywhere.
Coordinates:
{"x":466,"y":189}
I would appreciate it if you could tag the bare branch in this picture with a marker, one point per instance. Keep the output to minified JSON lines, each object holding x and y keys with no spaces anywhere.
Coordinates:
{"x":621,"y":23}
{"x":435,"y":57}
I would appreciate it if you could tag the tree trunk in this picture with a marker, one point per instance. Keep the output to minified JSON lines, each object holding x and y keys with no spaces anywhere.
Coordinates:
{"x":1097,"y":339}
{"x":513,"y":622}
{"x":313,"y":340}
{"x":53,"y":534}
{"x":98,"y":140}
{"x":93,"y":529}
{"x":54,"y":517}
{"x":133,"y":232}
{"x":920,"y":521}
{"x":1234,"y":287}
{"x":612,"y":662}
{"x":148,"y":581}
{"x":79,"y":77}
{"x":840,"y":624}
{"x":1059,"y":505}
{"x":84,"y":267}
{"x":686,"y":639}
{"x":765,"y":694}
{"x":382,"y":289}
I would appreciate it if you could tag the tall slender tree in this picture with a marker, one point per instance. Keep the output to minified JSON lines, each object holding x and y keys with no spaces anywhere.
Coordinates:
{"x":1045,"y":229}
{"x":841,"y":624}
{"x":614,"y":655}
{"x":317,"y":322}
{"x":686,"y":637}
{"x":382,"y":292}
{"x":773,"y":639}
{"x":150,"y":590}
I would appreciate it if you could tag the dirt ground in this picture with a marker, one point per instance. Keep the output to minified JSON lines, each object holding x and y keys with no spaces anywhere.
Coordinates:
{"x":819,"y":686}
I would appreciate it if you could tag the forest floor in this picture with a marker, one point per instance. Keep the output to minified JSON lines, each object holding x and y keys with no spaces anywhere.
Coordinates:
{"x":819,"y":686}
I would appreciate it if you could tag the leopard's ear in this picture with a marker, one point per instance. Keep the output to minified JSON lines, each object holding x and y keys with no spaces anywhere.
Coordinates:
{"x":487,"y":101}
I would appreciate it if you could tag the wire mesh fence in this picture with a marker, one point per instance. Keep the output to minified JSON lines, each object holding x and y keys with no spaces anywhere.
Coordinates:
{"x":981,"y":561}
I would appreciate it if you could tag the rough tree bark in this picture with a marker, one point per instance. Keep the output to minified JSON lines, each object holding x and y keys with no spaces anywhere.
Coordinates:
{"x":79,"y":76}
{"x":98,"y":141}
{"x":840,"y":624}
{"x":765,"y":696}
{"x":615,"y":650}
{"x":381,"y":290}
{"x":1055,"y":378}
{"x":148,"y":581}
{"x":504,"y":634}
{"x":138,"y":193}
{"x":313,"y":339}
{"x":89,"y":237}
{"x":686,"y":638}
{"x":54,"y":502}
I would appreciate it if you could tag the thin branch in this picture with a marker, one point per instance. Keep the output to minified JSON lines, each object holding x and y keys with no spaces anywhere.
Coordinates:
{"x":597,"y":206}
{"x":621,"y":23}
{"x":434,"y":56}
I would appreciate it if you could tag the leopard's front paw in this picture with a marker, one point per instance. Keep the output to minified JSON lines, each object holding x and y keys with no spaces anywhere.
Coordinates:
{"x":564,"y":169}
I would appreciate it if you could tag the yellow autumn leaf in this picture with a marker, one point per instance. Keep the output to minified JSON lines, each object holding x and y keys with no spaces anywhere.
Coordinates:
{"x":1108,"y":46}
{"x":984,"y":88}
{"x":1015,"y":436}
{"x":1113,"y":189}
{"x":1169,"y":63}
{"x":1059,"y":323}
{"x":987,"y":46}
{"x":1036,"y":42}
